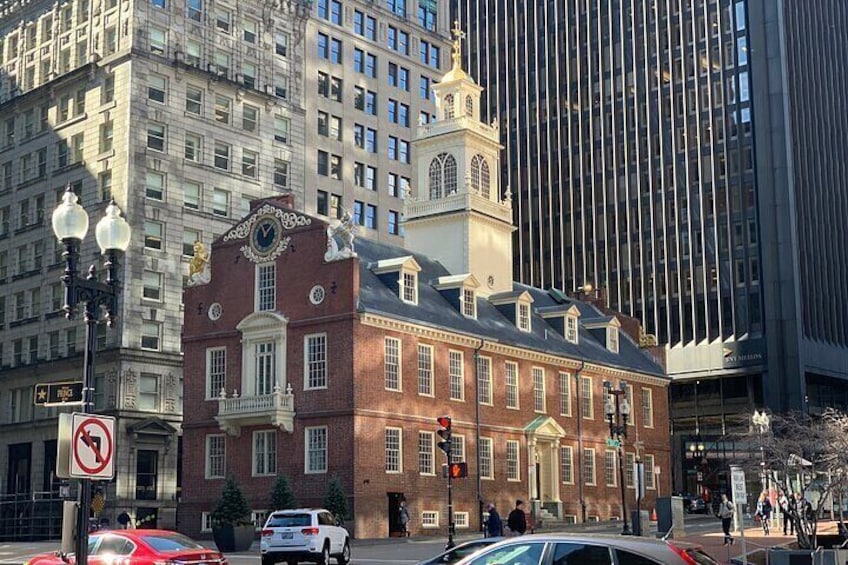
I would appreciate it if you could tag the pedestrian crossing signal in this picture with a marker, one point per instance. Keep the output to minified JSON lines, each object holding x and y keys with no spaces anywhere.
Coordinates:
{"x":455,"y":470}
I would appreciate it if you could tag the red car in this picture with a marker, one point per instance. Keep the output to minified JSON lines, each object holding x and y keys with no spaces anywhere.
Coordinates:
{"x":138,"y":547}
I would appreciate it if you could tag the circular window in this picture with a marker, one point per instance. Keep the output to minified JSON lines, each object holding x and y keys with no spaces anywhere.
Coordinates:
{"x":317,"y":294}
{"x":215,"y":311}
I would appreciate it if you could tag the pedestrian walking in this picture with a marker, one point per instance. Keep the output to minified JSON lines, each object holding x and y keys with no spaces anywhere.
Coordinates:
{"x":764,"y":511}
{"x":517,"y":521}
{"x":725,"y":512}
{"x":403,"y":517}
{"x":494,"y":525}
{"x":786,"y":514}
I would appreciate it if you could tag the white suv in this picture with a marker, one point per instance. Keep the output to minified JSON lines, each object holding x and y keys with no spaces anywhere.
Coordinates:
{"x":304,"y":534}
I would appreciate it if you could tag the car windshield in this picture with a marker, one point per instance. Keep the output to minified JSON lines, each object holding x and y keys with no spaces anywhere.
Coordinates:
{"x":289,"y":521}
{"x":169,"y":542}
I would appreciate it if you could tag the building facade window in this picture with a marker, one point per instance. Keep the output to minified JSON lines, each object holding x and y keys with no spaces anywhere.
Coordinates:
{"x":266,"y":287}
{"x":151,"y":335}
{"x":315,"y":361}
{"x":484,"y":380}
{"x":392,"y":366}
{"x":486,"y":457}
{"x":538,"y":389}
{"x":511,"y":383}
{"x":426,"y":462}
{"x":567,"y":464}
{"x":216,"y":456}
{"x":609,"y":468}
{"x":513,"y":462}
{"x":456,"y":369}
{"x":589,"y":466}
{"x":564,"y":394}
{"x":316,"y":449}
{"x":647,"y":408}
{"x":264,"y":453}
{"x":425,"y":370}
{"x":216,"y":371}
{"x":394,"y":450}
{"x":587,"y":407}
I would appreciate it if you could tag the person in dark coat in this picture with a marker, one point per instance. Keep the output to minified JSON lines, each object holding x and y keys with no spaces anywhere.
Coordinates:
{"x":517,"y":521}
{"x":494,"y":525}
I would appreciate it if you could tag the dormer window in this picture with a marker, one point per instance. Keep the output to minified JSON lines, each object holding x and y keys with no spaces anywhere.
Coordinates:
{"x":409,"y":287}
{"x":469,"y":303}
{"x":522,"y":319}
{"x":612,"y":338}
{"x":571,"y":328}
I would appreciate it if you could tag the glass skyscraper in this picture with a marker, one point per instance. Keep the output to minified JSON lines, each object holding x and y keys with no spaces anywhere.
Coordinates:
{"x":683,"y":157}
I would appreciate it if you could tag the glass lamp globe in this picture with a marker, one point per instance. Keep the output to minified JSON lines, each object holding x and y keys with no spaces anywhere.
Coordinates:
{"x":70,"y":220}
{"x":112,"y":231}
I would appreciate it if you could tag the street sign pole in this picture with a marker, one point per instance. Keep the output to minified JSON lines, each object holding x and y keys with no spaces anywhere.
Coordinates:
{"x":740,"y":493}
{"x":85,"y":484}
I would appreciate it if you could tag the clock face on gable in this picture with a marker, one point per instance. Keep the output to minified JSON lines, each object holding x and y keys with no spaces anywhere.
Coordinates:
{"x":266,"y":235}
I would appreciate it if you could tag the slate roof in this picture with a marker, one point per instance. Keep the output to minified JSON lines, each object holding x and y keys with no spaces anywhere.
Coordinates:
{"x":433,"y":310}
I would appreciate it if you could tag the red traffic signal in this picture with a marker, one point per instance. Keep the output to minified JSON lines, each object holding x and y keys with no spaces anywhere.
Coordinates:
{"x":458,"y":470}
{"x":445,"y":433}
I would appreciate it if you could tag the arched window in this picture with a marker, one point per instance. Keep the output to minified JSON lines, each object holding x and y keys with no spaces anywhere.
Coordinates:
{"x":469,"y":105}
{"x":484,"y":178}
{"x":448,"y":106}
{"x":449,"y":173}
{"x":436,"y":178}
{"x":475,"y":174}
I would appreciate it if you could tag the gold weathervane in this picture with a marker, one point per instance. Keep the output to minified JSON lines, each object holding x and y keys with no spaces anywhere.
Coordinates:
{"x":458,"y":35}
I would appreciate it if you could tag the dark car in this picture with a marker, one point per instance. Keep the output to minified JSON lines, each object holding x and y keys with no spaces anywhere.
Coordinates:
{"x":577,"y":549}
{"x":460,"y":551}
{"x":697,"y":505}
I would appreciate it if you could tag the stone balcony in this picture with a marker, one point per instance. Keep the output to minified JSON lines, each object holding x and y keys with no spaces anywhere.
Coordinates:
{"x":276,"y":409}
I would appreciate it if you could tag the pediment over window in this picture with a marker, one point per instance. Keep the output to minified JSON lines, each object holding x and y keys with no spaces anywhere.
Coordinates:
{"x":606,"y":331}
{"x":544,"y":427}
{"x":262,"y":321}
{"x":152,"y":426}
{"x":394,"y":265}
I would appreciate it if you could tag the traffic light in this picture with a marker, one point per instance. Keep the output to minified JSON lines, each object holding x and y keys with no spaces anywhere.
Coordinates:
{"x":445,"y":433}
{"x":458,"y":470}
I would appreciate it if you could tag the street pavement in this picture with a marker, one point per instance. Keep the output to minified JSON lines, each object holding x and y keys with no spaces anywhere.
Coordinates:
{"x":702,"y":530}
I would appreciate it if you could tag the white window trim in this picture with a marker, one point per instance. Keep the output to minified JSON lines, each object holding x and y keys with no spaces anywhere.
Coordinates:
{"x":399,"y":363}
{"x":517,"y":385}
{"x":591,"y":415}
{"x":306,"y":470}
{"x":205,"y":522}
{"x":256,"y":328}
{"x":473,"y":314}
{"x":569,"y":449}
{"x":432,"y":392}
{"x":544,"y":409}
{"x":460,"y":445}
{"x":460,"y":519}
{"x":256,"y":287}
{"x":650,"y":394}
{"x":402,"y":285}
{"x":518,"y":324}
{"x":565,"y":378}
{"x":569,"y":320}
{"x":206,"y":457}
{"x":306,"y":361}
{"x":517,"y":444}
{"x":491,"y":400}
{"x":593,"y":480}
{"x":253,"y":472}
{"x":650,"y":469}
{"x":462,"y":376}
{"x":432,"y":437}
{"x":614,"y":482}
{"x":612,"y":338}
{"x":491,"y":444}
{"x":210,"y":394}
{"x":399,"y":470}
{"x":426,"y":523}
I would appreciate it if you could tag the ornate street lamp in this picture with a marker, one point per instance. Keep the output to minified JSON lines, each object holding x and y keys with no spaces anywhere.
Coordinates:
{"x":617,"y":411}
{"x":70,"y":224}
{"x":762,"y":421}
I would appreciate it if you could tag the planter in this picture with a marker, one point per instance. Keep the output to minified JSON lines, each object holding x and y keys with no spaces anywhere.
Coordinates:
{"x":233,"y":538}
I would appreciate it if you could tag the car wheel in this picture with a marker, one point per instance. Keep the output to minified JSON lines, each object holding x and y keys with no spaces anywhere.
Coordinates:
{"x":325,"y":554}
{"x":344,"y":556}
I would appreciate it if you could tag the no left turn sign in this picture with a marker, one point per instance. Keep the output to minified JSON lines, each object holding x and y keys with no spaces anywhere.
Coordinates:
{"x":92,"y":446}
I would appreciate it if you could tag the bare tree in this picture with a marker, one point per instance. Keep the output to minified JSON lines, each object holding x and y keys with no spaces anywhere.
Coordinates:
{"x":808,"y":457}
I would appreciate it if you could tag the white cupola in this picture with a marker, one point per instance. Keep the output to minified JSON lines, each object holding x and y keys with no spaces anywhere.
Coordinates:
{"x":456,"y":213}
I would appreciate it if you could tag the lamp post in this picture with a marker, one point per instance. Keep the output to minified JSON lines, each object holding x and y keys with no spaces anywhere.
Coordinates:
{"x":617,"y":410}
{"x":70,"y":224}
{"x":762,"y":421}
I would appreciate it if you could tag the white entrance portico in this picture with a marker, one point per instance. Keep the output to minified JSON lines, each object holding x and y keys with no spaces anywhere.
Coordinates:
{"x":543,"y":437}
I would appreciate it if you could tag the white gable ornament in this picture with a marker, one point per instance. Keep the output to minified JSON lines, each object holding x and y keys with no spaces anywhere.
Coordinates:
{"x":264,"y":230}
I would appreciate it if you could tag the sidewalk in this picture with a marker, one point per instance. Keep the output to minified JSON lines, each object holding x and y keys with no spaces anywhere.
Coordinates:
{"x":755,"y":539}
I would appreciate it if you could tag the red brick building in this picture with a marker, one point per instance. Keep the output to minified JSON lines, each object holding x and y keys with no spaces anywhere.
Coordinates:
{"x":309,"y":357}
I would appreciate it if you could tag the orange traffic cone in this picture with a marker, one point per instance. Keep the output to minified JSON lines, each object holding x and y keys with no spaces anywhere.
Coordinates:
{"x":653,"y":514}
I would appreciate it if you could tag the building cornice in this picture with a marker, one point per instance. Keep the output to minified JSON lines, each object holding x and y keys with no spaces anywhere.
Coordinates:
{"x":473,"y":341}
